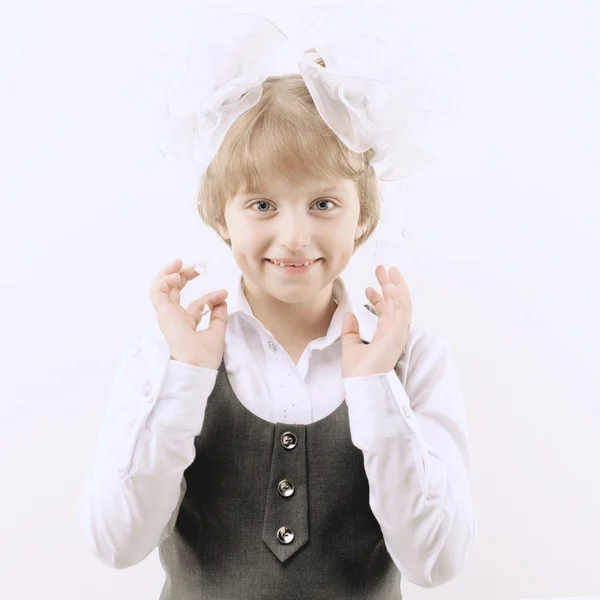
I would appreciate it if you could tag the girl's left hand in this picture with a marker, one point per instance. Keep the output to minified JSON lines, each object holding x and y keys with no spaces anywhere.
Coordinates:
{"x":394,"y":312}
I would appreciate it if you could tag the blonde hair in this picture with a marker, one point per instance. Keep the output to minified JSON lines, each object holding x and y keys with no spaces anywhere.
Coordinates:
{"x":285,"y":134}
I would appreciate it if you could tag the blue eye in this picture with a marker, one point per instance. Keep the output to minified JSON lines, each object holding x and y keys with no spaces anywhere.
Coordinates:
{"x":324,"y":201}
{"x":268,"y":203}
{"x":260,"y":202}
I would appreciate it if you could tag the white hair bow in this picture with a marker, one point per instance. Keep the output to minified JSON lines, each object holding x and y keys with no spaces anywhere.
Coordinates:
{"x":357,"y":94}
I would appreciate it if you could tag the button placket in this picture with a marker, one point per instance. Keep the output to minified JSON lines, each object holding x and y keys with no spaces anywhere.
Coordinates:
{"x":285,"y":488}
{"x":286,"y":513}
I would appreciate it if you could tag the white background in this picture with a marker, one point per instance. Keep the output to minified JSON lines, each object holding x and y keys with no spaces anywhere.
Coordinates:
{"x":502,"y":240}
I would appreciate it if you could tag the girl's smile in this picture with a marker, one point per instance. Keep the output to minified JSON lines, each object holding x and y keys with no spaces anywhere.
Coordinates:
{"x":293,"y":270}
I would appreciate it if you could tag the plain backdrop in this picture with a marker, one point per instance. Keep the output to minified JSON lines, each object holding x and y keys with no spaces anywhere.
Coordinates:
{"x":499,"y":241}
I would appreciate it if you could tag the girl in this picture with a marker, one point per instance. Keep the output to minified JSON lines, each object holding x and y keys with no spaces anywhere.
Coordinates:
{"x":301,"y":446}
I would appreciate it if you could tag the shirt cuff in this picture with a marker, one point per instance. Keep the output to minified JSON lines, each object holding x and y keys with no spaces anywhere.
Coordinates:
{"x":183,"y":396}
{"x":378,"y":407}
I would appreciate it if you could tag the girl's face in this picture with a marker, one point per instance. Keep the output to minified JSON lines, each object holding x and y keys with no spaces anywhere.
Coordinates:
{"x":317,"y":220}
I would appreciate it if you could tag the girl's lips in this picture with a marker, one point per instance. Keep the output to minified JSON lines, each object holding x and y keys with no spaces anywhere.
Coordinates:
{"x":298,"y":262}
{"x":294,"y":270}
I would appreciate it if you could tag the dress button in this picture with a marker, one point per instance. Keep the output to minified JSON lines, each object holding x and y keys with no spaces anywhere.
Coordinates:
{"x":288,"y":440}
{"x":285,"y":535}
{"x":285,"y":488}
{"x":406,"y":412}
{"x":272,"y":346}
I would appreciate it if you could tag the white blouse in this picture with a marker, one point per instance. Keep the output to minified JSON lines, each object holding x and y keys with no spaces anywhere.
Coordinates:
{"x":410,"y":424}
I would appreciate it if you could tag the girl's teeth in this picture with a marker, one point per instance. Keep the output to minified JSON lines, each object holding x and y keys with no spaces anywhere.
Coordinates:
{"x":294,"y":265}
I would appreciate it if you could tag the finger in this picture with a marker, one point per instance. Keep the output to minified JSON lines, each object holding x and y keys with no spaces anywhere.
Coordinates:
{"x":172,"y":278}
{"x":388,"y":288}
{"x":174,"y":285}
{"x":218,"y":319}
{"x":392,"y":283}
{"x":166,"y":288}
{"x":373,"y":294}
{"x":159,"y":291}
{"x":175,"y":266}
{"x":376,"y":300}
{"x":382,"y":275}
{"x":171,"y":267}
{"x":396,"y":276}
{"x":212,"y":300}
{"x":175,"y":281}
{"x":182,"y":277}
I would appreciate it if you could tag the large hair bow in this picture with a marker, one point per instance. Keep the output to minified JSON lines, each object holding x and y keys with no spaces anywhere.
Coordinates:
{"x":358,"y":94}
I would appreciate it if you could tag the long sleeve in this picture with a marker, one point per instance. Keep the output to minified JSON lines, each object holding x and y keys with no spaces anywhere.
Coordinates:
{"x":417,"y":459}
{"x":130,"y":499}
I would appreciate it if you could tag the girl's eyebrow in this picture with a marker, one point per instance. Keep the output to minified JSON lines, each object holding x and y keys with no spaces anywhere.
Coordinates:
{"x":269,"y":193}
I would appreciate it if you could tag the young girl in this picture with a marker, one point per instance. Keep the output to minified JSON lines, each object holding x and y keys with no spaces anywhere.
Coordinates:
{"x":301,"y":446}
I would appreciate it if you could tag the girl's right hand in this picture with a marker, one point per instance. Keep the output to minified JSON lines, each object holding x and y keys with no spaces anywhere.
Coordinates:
{"x":200,"y":348}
